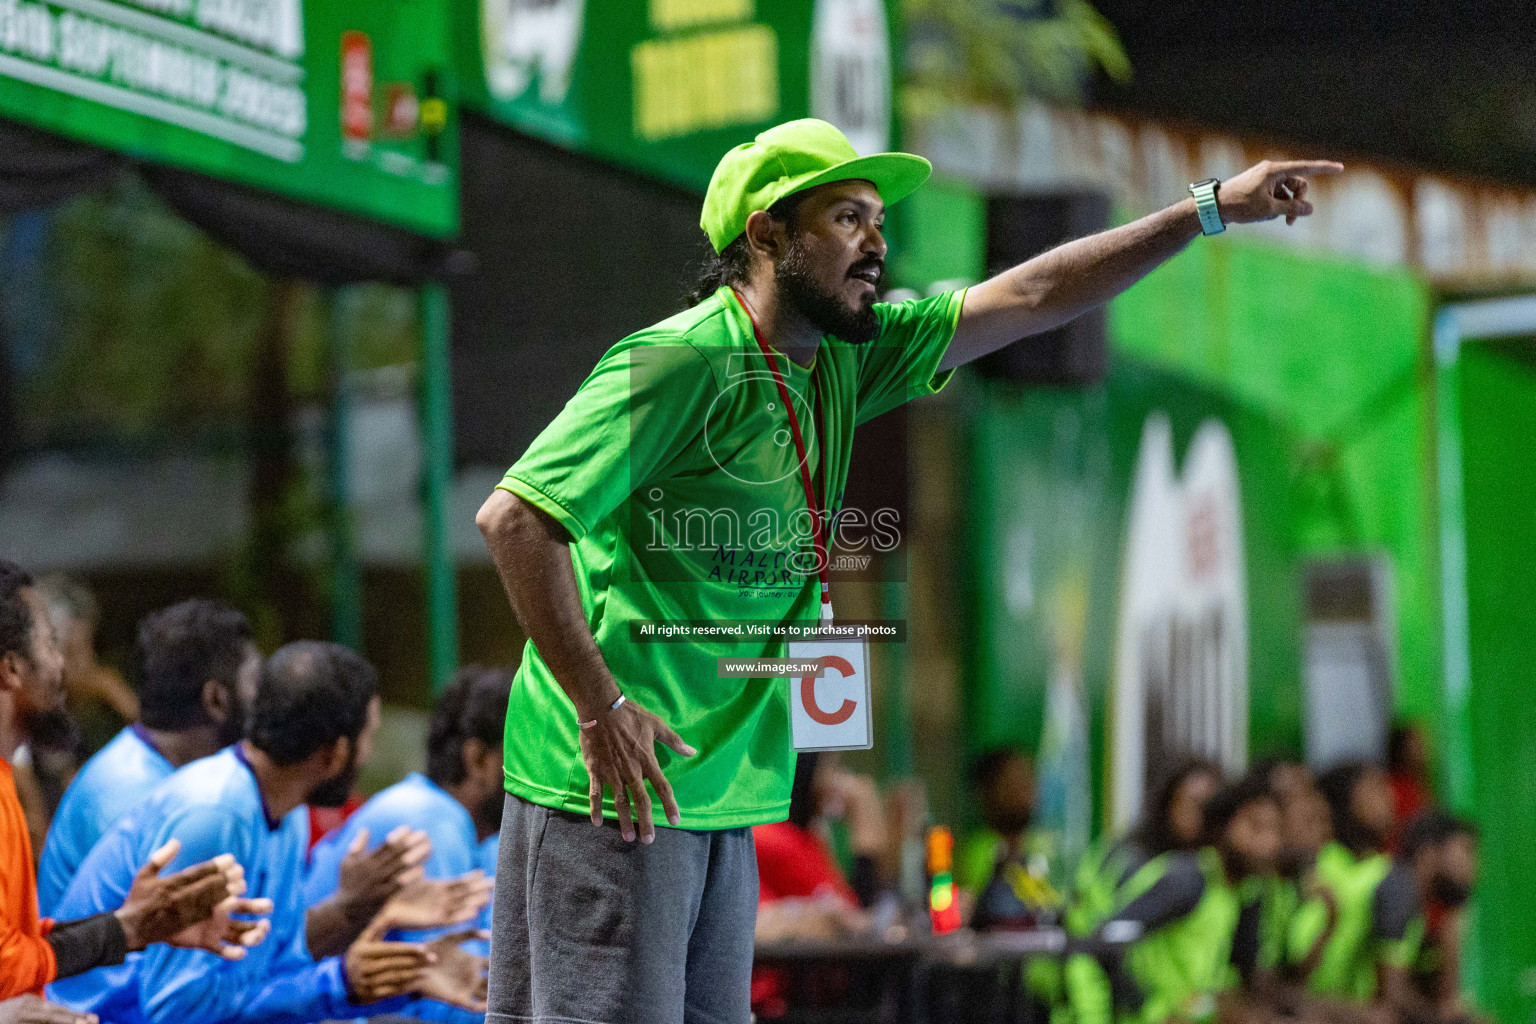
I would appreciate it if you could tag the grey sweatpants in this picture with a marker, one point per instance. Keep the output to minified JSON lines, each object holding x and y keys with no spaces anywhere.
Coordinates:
{"x":589,"y":929}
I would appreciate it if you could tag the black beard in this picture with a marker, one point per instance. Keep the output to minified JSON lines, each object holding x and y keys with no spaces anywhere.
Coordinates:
{"x":488,"y":815}
{"x":826,"y":312}
{"x":232,"y":729}
{"x":333,"y":792}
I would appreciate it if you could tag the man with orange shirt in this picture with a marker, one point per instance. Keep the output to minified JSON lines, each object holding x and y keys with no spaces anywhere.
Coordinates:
{"x":191,"y":908}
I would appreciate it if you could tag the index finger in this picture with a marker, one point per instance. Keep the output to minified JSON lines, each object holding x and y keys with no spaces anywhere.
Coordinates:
{"x":1281,"y":168}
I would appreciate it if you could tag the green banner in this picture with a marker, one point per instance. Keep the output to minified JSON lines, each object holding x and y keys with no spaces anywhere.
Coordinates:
{"x":332,"y":102}
{"x":667,"y":86}
{"x":1313,"y":399}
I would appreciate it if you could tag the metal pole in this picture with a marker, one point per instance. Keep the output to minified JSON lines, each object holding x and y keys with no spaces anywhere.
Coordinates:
{"x":896,"y":732}
{"x":436,"y":411}
{"x":346,"y":573}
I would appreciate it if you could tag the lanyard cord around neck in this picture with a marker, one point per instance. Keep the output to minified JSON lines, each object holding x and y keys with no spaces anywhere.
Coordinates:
{"x":817,"y":541}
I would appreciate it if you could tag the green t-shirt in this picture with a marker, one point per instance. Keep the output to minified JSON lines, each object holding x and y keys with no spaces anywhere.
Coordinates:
{"x":674,"y":472}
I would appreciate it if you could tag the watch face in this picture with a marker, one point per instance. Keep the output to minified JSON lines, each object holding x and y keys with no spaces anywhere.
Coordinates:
{"x":1207,"y":181}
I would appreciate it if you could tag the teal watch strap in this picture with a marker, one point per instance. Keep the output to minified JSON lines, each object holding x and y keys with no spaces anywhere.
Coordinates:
{"x":1205,"y":205}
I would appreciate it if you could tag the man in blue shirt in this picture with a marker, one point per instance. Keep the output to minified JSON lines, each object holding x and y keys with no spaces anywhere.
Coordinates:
{"x":311,"y":725}
{"x":196,"y":665}
{"x":458,"y":801}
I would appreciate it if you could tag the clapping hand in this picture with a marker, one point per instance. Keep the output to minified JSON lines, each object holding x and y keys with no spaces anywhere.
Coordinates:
{"x":432,"y":903}
{"x":456,"y":976}
{"x":159,"y":908}
{"x":377,"y":969}
{"x":224,"y":933}
{"x":369,"y":878}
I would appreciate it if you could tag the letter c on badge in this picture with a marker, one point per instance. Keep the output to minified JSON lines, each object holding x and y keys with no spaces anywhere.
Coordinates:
{"x":808,"y":694}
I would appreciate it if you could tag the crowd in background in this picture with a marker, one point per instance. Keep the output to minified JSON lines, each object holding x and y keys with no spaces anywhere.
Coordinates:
{"x":180,"y":877}
{"x":202,"y":856}
{"x":1334,"y":898}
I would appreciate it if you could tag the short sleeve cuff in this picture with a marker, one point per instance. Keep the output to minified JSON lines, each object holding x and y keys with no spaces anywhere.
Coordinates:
{"x":935,"y":382}
{"x":545,"y":502}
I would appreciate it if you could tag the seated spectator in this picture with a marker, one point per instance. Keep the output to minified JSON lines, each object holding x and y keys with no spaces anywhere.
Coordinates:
{"x":150,"y":907}
{"x":1176,"y":947}
{"x":1173,"y":822}
{"x":795,"y":862}
{"x":1440,"y":851}
{"x":196,"y":665}
{"x":1377,"y":923}
{"x":457,"y":802}
{"x":1408,"y":771}
{"x":802,"y":893}
{"x":993,"y":866}
{"x":311,"y":726}
{"x":1305,"y":829}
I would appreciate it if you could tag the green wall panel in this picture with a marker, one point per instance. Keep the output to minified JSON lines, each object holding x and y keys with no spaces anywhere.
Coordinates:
{"x":1498,"y":421}
{"x":1318,"y":368}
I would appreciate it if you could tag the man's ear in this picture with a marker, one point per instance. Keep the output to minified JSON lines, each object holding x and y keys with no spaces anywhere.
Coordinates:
{"x":480,"y":760}
{"x":11,"y":666}
{"x":215,"y":700}
{"x":763,"y":233}
{"x":341,"y":750}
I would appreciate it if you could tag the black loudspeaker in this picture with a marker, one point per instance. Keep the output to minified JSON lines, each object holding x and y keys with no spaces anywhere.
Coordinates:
{"x":1019,"y":227}
{"x":571,"y":255}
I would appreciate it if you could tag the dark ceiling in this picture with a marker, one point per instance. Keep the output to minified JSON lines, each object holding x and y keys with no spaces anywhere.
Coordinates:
{"x":1449,"y":85}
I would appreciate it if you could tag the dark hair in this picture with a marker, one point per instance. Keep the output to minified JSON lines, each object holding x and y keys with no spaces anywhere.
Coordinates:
{"x":1398,"y":738}
{"x":15,"y":613}
{"x":802,"y":795}
{"x":1267,"y":765}
{"x":1230,"y":800}
{"x":180,"y":648}
{"x":1432,"y":828}
{"x":311,"y":695}
{"x":990,"y":765}
{"x":732,"y":264}
{"x":1337,"y":785}
{"x":473,"y":707}
{"x":1155,"y":834}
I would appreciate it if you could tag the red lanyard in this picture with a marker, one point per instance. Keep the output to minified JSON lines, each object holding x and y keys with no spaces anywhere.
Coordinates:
{"x":805,"y":469}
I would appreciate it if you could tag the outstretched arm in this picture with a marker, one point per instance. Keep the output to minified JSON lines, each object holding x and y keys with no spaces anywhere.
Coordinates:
{"x":1071,"y":279}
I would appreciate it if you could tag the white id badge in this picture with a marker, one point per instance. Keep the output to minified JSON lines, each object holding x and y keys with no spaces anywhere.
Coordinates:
{"x":833,"y":712}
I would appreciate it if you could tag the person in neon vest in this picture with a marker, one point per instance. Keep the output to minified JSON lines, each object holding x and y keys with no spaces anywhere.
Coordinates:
{"x":1377,"y":922}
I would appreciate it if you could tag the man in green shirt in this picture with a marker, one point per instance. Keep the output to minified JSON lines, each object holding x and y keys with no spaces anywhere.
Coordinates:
{"x":686,"y":480}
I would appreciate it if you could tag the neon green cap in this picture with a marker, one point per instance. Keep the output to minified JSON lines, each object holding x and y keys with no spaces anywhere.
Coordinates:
{"x":790,"y":157}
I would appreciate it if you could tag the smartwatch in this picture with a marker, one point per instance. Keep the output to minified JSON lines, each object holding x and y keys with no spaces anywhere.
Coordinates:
{"x":1205,"y":204}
